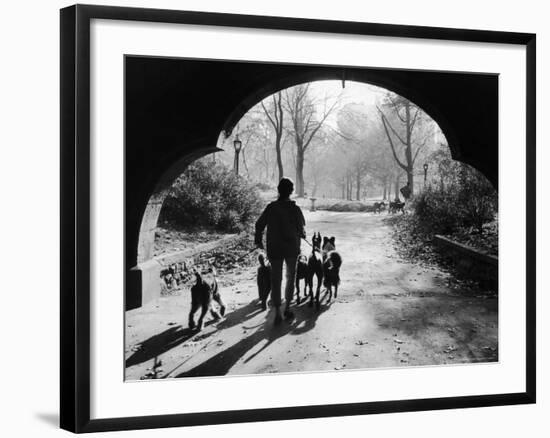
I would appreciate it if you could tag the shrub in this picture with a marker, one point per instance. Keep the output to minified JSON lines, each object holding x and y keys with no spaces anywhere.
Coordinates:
{"x":477,"y":198}
{"x":264,"y":186}
{"x":211,"y":195}
{"x":469,"y":200}
{"x":436,"y":211}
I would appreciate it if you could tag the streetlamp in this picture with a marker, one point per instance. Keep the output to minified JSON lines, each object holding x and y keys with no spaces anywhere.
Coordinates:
{"x":425,"y":173}
{"x":237,"y":144}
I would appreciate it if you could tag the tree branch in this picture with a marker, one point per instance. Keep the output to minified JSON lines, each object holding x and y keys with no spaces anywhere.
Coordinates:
{"x":325,"y":116}
{"x":396,"y":108}
{"x":418,"y":149}
{"x":391,"y":127}
{"x":413,"y":121}
{"x":269,"y":116}
{"x":391,"y":142}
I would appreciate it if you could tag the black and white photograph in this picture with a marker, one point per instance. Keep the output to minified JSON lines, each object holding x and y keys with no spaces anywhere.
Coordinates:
{"x":270,"y":219}
{"x":284,"y":218}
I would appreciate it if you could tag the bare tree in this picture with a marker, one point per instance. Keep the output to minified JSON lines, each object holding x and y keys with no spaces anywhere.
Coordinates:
{"x":404,"y":129}
{"x":302,"y":110}
{"x":275,"y":115}
{"x":354,"y":137}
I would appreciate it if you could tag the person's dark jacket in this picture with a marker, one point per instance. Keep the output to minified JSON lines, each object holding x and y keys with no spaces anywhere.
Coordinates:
{"x":285,"y":227}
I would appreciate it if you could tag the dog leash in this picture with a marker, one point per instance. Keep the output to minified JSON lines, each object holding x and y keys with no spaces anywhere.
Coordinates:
{"x":246,"y":255}
{"x":255,"y":249}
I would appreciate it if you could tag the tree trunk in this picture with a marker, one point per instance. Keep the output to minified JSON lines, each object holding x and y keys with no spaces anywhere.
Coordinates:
{"x":410,"y":181}
{"x":396,"y":188}
{"x":358,"y":188}
{"x":245,"y":165}
{"x":385,"y":194}
{"x":279,"y":157}
{"x":300,"y":172}
{"x":408,"y":150}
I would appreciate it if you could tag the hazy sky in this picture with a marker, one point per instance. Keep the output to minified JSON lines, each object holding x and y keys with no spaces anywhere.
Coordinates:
{"x":354,"y":92}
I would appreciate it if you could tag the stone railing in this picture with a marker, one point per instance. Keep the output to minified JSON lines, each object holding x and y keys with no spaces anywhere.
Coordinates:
{"x":469,"y":261}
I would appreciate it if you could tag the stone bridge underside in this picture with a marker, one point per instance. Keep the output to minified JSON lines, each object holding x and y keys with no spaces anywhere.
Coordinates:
{"x":176,"y":108}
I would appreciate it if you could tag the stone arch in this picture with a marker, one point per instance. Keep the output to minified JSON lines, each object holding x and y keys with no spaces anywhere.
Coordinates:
{"x":154,"y":205}
{"x":253,"y":99}
{"x":168,"y":104}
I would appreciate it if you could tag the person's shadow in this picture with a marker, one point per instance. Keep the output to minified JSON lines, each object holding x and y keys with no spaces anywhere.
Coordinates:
{"x":221,"y":363}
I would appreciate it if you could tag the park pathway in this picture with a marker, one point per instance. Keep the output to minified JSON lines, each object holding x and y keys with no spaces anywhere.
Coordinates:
{"x":389,"y":312}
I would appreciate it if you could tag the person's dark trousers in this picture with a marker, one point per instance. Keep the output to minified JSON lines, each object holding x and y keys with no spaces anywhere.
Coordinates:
{"x":277,"y":276}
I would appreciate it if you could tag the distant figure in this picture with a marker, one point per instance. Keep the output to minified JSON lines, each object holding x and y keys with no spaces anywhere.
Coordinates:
{"x":285,"y":227}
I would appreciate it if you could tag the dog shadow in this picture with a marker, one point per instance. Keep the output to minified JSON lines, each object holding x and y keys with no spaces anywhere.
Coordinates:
{"x":177,"y":335}
{"x":159,"y":344}
{"x":313,"y":314}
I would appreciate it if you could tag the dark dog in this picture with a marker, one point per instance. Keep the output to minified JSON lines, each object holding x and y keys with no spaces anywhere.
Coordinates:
{"x":263,"y":278}
{"x":302,"y":272}
{"x":396,"y":206}
{"x":315,"y":269}
{"x":203,"y":292}
{"x":379,"y":206}
{"x":332,"y":262}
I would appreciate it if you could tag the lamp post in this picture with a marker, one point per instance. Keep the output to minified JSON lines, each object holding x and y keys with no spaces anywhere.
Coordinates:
{"x":425,"y":173}
{"x":237,"y":144}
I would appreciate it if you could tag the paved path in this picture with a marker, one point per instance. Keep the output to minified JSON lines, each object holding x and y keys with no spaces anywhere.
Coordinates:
{"x":389,"y":312}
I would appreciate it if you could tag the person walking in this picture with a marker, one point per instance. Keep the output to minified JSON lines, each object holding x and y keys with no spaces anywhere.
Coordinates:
{"x":285,"y":227}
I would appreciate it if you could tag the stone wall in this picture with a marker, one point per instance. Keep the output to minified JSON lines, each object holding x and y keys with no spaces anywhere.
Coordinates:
{"x":176,"y":269}
{"x":470,"y":262}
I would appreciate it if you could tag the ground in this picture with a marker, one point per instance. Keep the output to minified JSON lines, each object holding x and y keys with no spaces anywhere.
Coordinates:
{"x":389,"y":312}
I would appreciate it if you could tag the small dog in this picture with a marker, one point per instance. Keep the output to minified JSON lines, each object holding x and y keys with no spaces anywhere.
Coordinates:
{"x":203,"y":292}
{"x":328,"y":245}
{"x":302,"y":273}
{"x":379,"y":206}
{"x":332,"y":262}
{"x":315,"y":269}
{"x":263,"y":279}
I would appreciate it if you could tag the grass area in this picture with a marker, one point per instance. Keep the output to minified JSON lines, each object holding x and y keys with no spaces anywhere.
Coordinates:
{"x":335,"y":204}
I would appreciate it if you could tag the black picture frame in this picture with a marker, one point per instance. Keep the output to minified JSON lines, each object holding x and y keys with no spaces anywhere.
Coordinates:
{"x":75,"y":217}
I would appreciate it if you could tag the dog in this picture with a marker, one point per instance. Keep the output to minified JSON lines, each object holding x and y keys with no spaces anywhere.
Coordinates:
{"x":396,"y":206}
{"x":203,"y":292}
{"x":328,"y":245}
{"x":332,"y":262}
{"x":379,"y":206}
{"x":315,"y":269}
{"x":263,"y":279}
{"x":302,"y":273}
